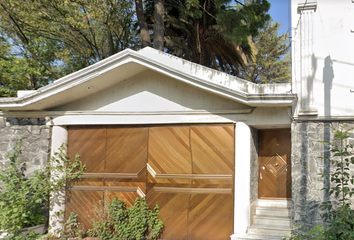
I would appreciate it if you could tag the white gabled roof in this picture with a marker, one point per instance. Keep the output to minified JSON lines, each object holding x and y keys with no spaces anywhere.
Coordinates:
{"x":128,"y":63}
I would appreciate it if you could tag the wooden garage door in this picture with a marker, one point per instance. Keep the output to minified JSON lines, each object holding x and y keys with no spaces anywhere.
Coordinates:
{"x":187,"y":170}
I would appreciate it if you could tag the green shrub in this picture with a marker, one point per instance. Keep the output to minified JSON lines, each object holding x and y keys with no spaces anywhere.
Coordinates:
{"x":24,"y":200}
{"x":136,"y":222}
{"x":338,"y":212}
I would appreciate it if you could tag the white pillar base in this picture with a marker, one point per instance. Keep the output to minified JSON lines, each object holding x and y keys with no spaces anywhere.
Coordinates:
{"x":242,"y":179}
{"x":57,"y":199}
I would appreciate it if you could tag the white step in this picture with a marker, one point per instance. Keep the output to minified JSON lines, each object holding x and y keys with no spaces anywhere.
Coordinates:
{"x":271,"y":221}
{"x":270,"y":231}
{"x":274,"y":203}
{"x":271,"y":211}
{"x":258,"y":237}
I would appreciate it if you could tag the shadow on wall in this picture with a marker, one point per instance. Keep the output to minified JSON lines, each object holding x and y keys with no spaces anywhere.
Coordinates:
{"x":328,"y":75}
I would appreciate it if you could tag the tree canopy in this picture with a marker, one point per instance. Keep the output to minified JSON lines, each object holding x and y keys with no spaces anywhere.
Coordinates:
{"x":53,"y":38}
{"x":272,"y":62}
{"x":42,"y":40}
{"x":213,"y":33}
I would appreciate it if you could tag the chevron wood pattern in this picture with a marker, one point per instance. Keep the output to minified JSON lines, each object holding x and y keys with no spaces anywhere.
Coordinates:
{"x":169,"y":150}
{"x":274,"y":164}
{"x":213,"y":212}
{"x":126,"y":150}
{"x":173,"y":212}
{"x":90,"y":144}
{"x":187,"y":170}
{"x":213,"y":149}
{"x":82,"y":203}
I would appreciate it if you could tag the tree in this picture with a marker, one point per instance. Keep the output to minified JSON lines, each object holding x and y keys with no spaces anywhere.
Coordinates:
{"x":212,"y":33}
{"x":46,"y":39}
{"x":55,"y":38}
{"x":272,"y":62}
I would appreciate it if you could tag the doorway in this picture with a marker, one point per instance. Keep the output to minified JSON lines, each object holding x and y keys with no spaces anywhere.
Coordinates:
{"x":274,"y":164}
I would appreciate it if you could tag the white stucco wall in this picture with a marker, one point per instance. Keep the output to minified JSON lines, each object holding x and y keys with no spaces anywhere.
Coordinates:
{"x":327,"y":60}
{"x":151,"y":97}
{"x":151,"y":91}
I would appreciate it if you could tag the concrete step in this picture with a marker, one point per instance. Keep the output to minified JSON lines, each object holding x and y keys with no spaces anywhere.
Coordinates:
{"x":258,"y":237}
{"x":271,"y":211}
{"x":272,"y":221}
{"x":274,"y":203}
{"x":270,"y":231}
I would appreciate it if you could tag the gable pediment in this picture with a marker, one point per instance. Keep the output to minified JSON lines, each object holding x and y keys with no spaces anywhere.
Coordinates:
{"x":150,"y":91}
{"x":128,"y":64}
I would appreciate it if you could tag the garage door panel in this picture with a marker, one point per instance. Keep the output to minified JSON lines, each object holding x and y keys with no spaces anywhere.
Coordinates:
{"x":90,"y":182}
{"x":214,"y":185}
{"x":128,"y":197}
{"x":213,"y":149}
{"x":126,"y":150}
{"x":210,"y":216}
{"x":90,"y":144}
{"x":173,"y":212}
{"x":138,"y":187}
{"x":82,"y":203}
{"x":169,"y":150}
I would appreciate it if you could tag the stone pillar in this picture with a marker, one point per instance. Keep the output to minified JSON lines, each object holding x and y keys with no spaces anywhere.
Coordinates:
{"x":307,"y":59}
{"x":242,"y":179}
{"x":57,"y":200}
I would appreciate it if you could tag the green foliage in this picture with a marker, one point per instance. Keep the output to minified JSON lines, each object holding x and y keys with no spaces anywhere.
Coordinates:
{"x":212,"y":33}
{"x":24,"y":200}
{"x":272,"y":61}
{"x":118,"y":222}
{"x":340,"y":177}
{"x":339,"y":212}
{"x":48,"y":39}
{"x":43,"y":40}
{"x":315,"y":233}
{"x":72,"y":227}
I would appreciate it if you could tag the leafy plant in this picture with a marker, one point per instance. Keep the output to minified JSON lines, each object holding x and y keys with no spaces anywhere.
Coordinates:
{"x":338,"y":213}
{"x":72,"y":227}
{"x":119,"y":222}
{"x":24,"y":200}
{"x":315,"y":233}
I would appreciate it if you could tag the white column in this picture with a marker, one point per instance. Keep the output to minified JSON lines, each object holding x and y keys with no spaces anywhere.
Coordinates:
{"x":242,"y":179}
{"x":57,"y":200}
{"x":307,"y":58}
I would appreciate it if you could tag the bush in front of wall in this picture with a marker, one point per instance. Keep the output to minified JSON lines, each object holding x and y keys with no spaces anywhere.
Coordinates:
{"x":338,"y":209}
{"x":338,"y":213}
{"x":119,"y":222}
{"x":24,"y":200}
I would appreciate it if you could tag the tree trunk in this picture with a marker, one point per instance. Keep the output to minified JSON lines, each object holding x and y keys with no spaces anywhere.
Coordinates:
{"x":144,"y":31}
{"x":159,"y":27}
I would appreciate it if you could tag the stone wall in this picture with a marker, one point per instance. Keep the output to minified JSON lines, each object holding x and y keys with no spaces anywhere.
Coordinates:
{"x":306,"y":166}
{"x":35,"y":137}
{"x":254,"y":165}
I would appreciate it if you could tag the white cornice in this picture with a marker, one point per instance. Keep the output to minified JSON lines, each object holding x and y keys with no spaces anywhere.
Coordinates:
{"x":307,"y":6}
{"x":128,"y":63}
{"x":40,"y":114}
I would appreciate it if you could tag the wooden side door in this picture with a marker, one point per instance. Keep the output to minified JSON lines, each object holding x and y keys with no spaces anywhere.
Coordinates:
{"x":274,"y":159}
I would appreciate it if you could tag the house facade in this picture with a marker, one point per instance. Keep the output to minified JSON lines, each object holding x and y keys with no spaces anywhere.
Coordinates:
{"x":322,"y":53}
{"x":218,"y":154}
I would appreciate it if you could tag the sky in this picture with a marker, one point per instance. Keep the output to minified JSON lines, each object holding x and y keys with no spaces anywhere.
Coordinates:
{"x":280,"y":12}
